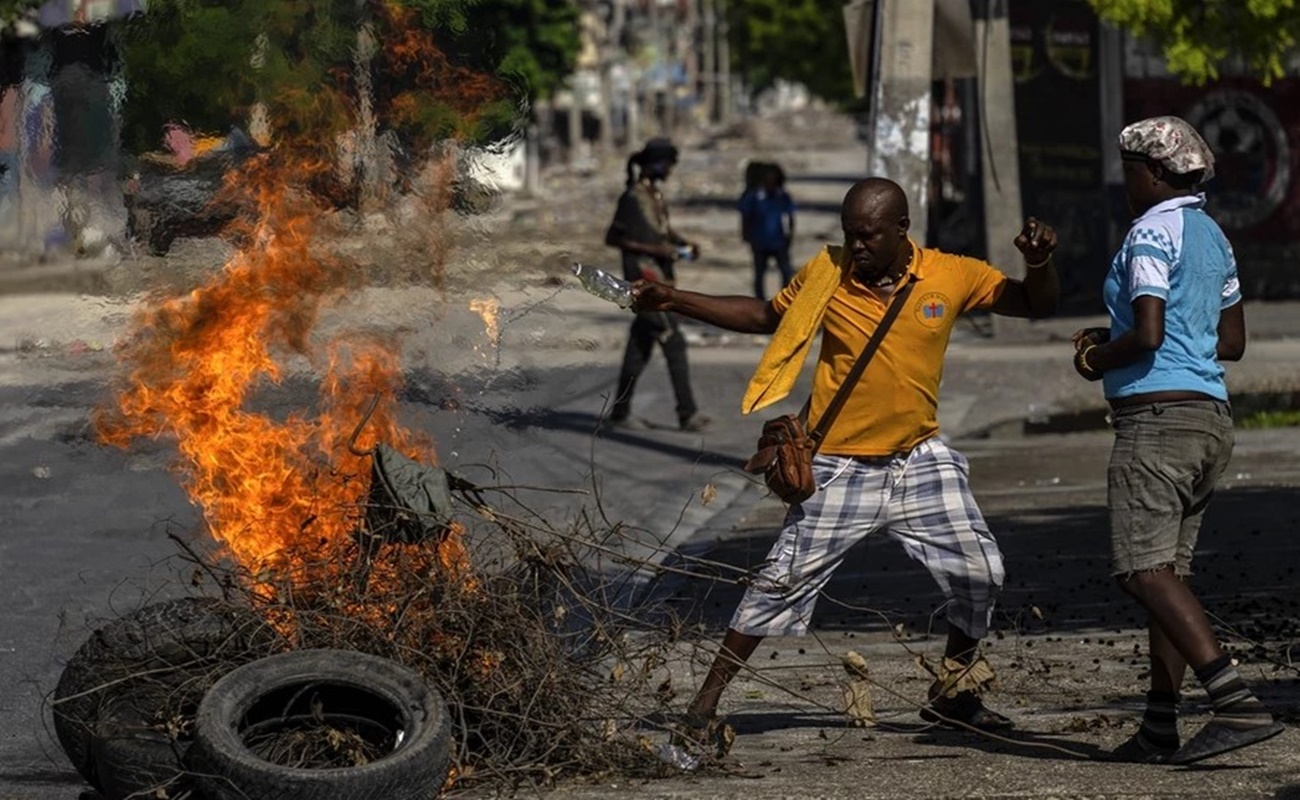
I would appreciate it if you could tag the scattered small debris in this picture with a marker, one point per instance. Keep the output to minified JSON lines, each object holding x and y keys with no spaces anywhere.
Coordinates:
{"x":709,"y":494}
{"x":81,"y":347}
{"x":1089,"y":724}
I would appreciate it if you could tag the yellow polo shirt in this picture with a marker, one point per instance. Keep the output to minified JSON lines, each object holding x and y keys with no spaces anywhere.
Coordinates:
{"x":893,"y":408}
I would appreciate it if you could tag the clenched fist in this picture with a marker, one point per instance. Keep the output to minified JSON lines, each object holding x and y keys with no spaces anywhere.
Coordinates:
{"x":1036,"y":242}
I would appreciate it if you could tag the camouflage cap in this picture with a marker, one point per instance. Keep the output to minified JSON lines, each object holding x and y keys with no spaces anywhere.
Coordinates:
{"x":1170,"y":142}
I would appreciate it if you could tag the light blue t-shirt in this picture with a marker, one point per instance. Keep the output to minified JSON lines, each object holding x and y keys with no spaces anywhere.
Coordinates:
{"x":1176,"y":252}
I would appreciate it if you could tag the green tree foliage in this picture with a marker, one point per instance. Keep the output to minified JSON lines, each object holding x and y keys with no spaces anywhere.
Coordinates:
{"x":795,"y":40}
{"x":532,"y":44}
{"x":207,"y":62}
{"x":1197,"y":36}
{"x":442,"y":15}
{"x":188,"y":61}
{"x":12,"y":9}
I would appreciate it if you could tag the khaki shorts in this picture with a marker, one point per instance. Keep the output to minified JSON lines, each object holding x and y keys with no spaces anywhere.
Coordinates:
{"x":1164,"y":466}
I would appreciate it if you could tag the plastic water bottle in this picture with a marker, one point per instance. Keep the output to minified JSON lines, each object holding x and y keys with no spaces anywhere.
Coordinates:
{"x":676,"y":756}
{"x":603,"y":285}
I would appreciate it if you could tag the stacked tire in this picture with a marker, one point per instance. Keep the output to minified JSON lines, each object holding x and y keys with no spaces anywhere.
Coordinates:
{"x":124,"y":702}
{"x":354,"y":690}
{"x":181,"y":697}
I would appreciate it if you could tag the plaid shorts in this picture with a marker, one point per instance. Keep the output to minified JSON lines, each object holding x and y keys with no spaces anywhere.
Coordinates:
{"x":922,"y":499}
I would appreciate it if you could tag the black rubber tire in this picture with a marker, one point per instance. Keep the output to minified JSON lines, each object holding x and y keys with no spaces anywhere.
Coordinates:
{"x":224,"y":768}
{"x":134,"y":755}
{"x":184,"y":642}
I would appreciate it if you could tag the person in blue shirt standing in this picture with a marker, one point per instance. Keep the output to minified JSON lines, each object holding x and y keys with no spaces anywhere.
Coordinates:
{"x":1175,"y":314}
{"x":767,"y":224}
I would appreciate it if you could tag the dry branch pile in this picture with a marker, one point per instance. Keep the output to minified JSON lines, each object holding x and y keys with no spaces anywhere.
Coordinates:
{"x":547,"y":672}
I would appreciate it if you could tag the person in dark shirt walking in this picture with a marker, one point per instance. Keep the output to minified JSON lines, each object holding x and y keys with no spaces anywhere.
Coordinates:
{"x":650,"y":247}
{"x":767,"y":224}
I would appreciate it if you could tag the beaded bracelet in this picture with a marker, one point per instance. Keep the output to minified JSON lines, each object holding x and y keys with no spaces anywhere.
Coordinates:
{"x":1083,"y":357}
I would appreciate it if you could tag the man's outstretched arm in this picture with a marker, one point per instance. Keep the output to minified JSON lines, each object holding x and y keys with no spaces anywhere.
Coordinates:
{"x":734,"y":312}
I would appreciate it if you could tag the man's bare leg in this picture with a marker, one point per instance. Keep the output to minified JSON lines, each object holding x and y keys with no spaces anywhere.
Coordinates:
{"x":960,"y":648}
{"x":735,"y":651}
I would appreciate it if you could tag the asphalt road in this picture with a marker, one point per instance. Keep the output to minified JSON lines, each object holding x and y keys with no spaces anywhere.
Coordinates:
{"x":84,"y":535}
{"x":85,"y":526}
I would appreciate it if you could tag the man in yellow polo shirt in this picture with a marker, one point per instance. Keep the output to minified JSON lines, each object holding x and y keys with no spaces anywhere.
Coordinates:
{"x":881,"y":466}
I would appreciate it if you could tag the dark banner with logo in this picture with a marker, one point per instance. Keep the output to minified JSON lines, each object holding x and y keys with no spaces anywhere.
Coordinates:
{"x":1254,"y":132}
{"x":1054,"y":52}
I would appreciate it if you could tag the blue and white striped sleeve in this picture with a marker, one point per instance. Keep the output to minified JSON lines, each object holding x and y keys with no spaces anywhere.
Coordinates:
{"x":1152,"y":255}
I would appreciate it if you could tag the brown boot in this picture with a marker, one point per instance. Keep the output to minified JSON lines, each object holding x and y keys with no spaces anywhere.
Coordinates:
{"x":955,"y":697}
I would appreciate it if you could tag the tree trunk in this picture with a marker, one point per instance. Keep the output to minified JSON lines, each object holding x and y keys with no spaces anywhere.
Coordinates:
{"x":369,"y":170}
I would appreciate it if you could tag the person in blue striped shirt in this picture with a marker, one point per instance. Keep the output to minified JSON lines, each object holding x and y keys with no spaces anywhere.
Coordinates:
{"x":1175,"y":314}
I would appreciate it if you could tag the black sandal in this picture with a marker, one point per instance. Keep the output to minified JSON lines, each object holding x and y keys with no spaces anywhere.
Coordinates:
{"x":965,"y":710}
{"x":1137,"y":750}
{"x":1217,"y":738}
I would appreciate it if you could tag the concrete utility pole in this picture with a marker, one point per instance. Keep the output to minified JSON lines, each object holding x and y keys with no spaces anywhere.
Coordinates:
{"x":667,"y":27}
{"x":612,"y":55}
{"x":1000,"y":154}
{"x":1110,"y":68}
{"x":648,"y":89}
{"x":724,"y":63}
{"x":709,"y":34}
{"x":900,"y":136}
{"x":687,"y":33}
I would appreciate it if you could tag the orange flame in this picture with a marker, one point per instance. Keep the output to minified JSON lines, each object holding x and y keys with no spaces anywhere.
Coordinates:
{"x":272,"y":490}
{"x":282,"y":491}
{"x":489,"y":308}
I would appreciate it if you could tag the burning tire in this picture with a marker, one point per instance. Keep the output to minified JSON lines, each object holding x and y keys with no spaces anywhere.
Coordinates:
{"x":321,"y":723}
{"x":161,"y":657}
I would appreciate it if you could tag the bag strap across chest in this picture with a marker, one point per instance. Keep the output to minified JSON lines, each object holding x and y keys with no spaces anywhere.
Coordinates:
{"x":873,"y":344}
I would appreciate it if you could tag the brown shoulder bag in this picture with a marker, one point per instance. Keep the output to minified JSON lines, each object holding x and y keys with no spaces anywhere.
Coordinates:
{"x":785,"y":450}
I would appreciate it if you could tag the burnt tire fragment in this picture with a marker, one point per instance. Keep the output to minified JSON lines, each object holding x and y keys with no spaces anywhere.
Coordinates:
{"x":249,"y":719}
